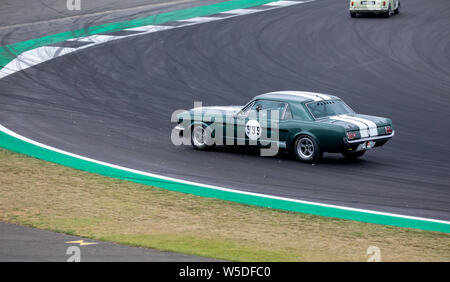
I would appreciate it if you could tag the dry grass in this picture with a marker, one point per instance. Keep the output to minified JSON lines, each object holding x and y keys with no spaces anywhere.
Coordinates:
{"x":53,"y":197}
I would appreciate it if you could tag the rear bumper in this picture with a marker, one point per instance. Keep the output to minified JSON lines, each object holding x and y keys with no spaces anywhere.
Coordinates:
{"x":369,"y":9}
{"x":375,"y":138}
{"x":378,"y":139}
{"x":366,"y":143}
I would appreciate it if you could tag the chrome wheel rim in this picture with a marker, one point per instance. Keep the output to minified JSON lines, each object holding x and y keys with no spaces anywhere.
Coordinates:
{"x":305,"y":148}
{"x":198,"y":136}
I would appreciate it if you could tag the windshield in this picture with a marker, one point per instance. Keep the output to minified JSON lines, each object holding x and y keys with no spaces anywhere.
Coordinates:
{"x":328,"y":108}
{"x":246,"y":109}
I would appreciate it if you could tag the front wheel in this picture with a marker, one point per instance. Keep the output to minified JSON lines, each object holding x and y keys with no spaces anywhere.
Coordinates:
{"x":353,"y":155}
{"x":306,"y":149}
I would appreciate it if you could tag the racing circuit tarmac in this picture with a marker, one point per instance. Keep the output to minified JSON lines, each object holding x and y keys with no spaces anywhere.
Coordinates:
{"x":113,"y":102}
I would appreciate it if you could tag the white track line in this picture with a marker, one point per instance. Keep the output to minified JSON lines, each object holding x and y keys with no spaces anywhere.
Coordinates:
{"x":150,"y":28}
{"x":241,"y":12}
{"x":25,"y":139}
{"x":197,"y":20}
{"x":45,"y":53}
{"x":283,"y":3}
{"x":39,"y":55}
{"x":99,"y":38}
{"x":33,"y":57}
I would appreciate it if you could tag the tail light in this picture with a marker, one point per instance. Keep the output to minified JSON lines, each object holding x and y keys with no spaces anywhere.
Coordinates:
{"x":388,"y":129}
{"x":352,"y":3}
{"x":384,"y":3}
{"x":351,"y":135}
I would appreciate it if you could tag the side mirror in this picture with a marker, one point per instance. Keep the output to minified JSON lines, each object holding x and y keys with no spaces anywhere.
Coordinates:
{"x":258,"y":108}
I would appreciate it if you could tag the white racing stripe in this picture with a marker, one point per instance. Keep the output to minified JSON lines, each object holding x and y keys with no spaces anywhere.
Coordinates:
{"x":323,"y":96}
{"x":363,"y":131}
{"x":314,"y":96}
{"x":373,"y":128}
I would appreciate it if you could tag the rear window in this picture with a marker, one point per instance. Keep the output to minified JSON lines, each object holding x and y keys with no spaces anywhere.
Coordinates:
{"x":323,"y":109}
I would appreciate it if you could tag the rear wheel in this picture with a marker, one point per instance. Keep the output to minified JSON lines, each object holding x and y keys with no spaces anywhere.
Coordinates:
{"x":306,"y":149}
{"x":201,"y":137}
{"x":388,"y":14}
{"x":353,"y":155}
{"x":397,"y":11}
{"x":353,"y":14}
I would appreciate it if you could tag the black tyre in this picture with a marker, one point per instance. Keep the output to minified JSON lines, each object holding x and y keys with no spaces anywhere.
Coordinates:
{"x":353,"y":155}
{"x":388,"y":14}
{"x":353,"y":14}
{"x":397,"y":11}
{"x":306,"y":149}
{"x":201,"y":138}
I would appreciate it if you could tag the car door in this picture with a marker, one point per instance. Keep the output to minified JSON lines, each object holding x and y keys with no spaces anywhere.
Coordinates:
{"x":236,"y":126}
{"x":286,"y":120}
{"x":255,"y":127}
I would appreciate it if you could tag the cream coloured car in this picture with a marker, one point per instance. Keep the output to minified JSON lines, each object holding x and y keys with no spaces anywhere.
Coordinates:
{"x":384,"y":7}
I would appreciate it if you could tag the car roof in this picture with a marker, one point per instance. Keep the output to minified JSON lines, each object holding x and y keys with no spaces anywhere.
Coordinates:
{"x":296,"y":96}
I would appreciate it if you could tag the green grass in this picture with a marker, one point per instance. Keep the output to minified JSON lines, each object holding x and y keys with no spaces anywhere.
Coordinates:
{"x":48,"y":196}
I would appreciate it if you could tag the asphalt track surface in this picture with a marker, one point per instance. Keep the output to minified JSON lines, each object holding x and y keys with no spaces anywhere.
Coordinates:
{"x":19,"y":243}
{"x":113,"y":102}
{"x":24,"y":19}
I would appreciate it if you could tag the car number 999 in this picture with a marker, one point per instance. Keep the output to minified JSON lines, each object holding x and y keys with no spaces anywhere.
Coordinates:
{"x":253,"y":130}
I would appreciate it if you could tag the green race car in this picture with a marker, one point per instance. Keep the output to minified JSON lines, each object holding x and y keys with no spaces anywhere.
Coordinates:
{"x":307,"y":124}
{"x":384,"y":7}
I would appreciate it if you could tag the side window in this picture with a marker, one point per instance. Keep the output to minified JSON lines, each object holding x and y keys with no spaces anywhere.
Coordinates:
{"x":263,"y":109}
{"x":299,"y":111}
{"x":287,"y":113}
